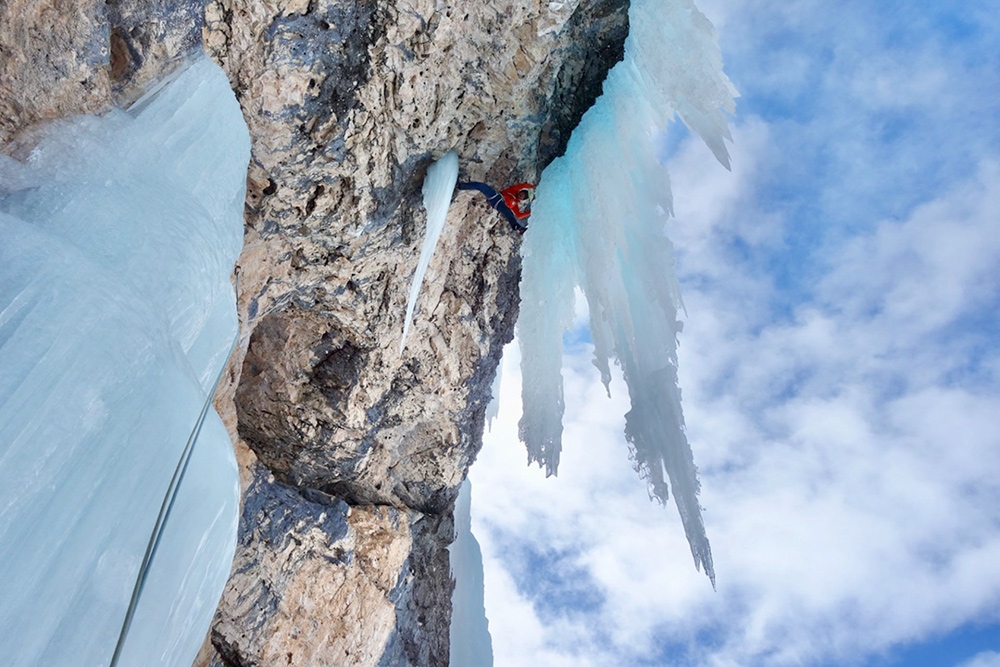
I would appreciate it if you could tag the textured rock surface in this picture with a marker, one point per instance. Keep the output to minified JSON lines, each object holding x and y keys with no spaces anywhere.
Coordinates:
{"x":351,"y":452}
{"x":64,"y":57}
{"x":333,"y":584}
{"x":53,"y":61}
{"x":349,"y":103}
{"x":147,"y":39}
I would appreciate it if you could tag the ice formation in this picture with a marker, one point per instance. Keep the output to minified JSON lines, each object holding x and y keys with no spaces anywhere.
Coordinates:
{"x":116,"y":316}
{"x":471,"y":644}
{"x":598,"y":223}
{"x":439,"y":186}
{"x":493,"y":407}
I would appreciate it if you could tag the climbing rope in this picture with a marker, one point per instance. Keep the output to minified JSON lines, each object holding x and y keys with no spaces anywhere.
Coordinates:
{"x":169,"y":498}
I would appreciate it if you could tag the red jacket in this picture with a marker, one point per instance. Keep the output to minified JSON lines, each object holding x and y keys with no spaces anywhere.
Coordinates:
{"x":520,"y":209}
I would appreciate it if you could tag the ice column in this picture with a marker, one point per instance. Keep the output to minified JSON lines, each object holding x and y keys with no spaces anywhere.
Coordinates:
{"x":598,"y":223}
{"x":116,"y":314}
{"x":471,"y":644}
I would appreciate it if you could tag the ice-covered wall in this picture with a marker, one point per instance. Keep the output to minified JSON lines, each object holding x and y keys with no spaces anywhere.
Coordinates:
{"x":116,"y":315}
{"x":598,"y":224}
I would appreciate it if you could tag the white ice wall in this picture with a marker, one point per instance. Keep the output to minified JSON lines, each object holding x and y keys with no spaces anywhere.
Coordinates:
{"x":119,"y":236}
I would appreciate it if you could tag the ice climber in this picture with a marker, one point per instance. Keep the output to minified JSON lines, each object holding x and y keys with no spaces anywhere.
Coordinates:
{"x":514,"y":203}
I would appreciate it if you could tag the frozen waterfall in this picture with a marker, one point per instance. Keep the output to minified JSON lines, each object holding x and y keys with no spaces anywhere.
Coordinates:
{"x":598,"y":224}
{"x":116,"y":315}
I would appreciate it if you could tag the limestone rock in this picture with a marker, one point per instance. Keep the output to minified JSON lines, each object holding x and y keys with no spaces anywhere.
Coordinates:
{"x":65,"y":57}
{"x":326,"y":400}
{"x":148,"y":39}
{"x":317,"y":582}
{"x":348,"y":104}
{"x":53,"y":61}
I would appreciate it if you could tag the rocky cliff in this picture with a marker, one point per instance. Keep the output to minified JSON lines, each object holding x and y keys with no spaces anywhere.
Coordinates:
{"x":352,"y":452}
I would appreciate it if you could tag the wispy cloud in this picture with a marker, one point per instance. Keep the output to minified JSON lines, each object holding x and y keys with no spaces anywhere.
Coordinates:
{"x":984,"y":659}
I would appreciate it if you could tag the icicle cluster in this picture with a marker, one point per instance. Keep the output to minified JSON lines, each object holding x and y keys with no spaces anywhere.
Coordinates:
{"x":598,"y":223}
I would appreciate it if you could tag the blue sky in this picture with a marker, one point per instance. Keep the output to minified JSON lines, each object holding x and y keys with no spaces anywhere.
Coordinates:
{"x":840,"y":370}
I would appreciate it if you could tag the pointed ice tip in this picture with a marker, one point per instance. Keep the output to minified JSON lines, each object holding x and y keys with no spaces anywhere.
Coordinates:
{"x":705,"y":564}
{"x":722,"y":155}
{"x":439,"y":185}
{"x":717,"y":144}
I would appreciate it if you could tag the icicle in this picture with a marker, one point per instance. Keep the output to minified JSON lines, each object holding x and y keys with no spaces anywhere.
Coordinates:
{"x":439,"y":185}
{"x":493,"y":409}
{"x":471,"y":644}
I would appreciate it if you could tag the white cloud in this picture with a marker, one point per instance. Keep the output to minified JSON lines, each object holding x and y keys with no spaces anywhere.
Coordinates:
{"x":984,"y":659}
{"x":846,"y":435}
{"x":850,"y":469}
{"x":844,"y":468}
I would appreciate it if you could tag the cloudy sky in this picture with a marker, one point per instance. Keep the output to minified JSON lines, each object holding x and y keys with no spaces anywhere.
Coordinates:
{"x":840,"y":365}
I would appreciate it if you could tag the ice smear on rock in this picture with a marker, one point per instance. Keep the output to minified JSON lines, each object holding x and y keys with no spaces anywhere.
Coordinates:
{"x":439,"y":186}
{"x":116,"y":314}
{"x":598,"y":223}
{"x":471,"y":644}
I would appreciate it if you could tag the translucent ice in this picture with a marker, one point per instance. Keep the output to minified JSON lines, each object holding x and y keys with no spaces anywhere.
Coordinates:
{"x":493,"y":408}
{"x":471,"y":644}
{"x":439,"y":186}
{"x":116,"y":315}
{"x":598,"y":223}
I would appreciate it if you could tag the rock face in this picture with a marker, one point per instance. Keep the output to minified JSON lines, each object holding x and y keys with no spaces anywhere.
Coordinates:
{"x":352,"y":452}
{"x":64,"y":57}
{"x":332,"y":584}
{"x":53,"y":61}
